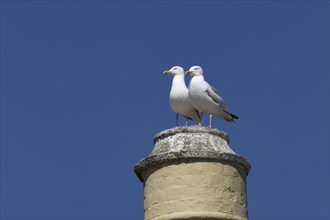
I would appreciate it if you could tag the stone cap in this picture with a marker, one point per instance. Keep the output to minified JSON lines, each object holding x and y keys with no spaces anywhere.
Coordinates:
{"x":190,"y":142}
{"x":190,"y":129}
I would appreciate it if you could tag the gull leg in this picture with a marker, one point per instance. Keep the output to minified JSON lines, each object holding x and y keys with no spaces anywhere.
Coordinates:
{"x":186,"y":121}
{"x":210,"y":125}
{"x":177,"y":119}
{"x":200,"y":122}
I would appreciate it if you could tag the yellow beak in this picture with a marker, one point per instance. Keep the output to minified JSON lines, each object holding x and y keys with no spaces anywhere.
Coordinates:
{"x":188,"y":72}
{"x":167,"y":72}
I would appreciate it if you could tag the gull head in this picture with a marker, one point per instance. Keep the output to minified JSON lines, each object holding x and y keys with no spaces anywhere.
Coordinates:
{"x":195,"y":71}
{"x":175,"y":70}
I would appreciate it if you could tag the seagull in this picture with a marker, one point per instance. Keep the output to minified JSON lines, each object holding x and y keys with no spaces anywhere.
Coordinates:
{"x":179,"y":96}
{"x":205,"y":98}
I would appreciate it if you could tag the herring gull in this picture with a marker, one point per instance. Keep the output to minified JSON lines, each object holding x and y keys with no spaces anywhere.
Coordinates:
{"x":179,"y":96}
{"x":205,"y":98}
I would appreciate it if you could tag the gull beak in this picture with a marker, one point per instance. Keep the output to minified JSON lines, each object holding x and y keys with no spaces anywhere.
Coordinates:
{"x":189,"y":72}
{"x":167,"y":72}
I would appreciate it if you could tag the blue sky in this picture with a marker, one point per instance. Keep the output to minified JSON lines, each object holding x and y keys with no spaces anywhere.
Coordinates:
{"x":83,"y":94}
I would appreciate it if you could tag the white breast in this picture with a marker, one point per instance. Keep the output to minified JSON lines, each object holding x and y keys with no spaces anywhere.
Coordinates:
{"x":179,"y":95}
{"x":179,"y":98}
{"x":197,"y":94}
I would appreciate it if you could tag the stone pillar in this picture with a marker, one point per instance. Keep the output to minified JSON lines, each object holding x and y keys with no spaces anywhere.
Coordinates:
{"x":192,"y":173}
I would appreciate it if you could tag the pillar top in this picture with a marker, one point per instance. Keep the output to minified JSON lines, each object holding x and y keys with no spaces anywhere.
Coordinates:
{"x":190,"y":143}
{"x":190,"y":129}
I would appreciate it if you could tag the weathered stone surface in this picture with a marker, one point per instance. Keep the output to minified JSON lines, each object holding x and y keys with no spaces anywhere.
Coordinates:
{"x":192,"y":173}
{"x":193,"y":138}
{"x":195,"y":191}
{"x":192,"y":142}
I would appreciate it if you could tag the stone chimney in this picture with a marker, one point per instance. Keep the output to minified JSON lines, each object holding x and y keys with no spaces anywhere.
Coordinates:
{"x":192,"y":173}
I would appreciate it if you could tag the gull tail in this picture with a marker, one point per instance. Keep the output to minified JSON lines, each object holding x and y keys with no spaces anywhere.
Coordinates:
{"x":230,"y":117}
{"x":195,"y":116}
{"x":233,"y":116}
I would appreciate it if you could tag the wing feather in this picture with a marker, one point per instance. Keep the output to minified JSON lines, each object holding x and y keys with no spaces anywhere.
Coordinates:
{"x":215,"y":96}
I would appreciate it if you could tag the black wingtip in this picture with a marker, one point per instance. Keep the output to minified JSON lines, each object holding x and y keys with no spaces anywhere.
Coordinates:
{"x":233,"y":116}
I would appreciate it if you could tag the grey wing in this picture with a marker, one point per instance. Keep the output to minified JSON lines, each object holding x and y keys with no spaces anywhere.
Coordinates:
{"x":215,"y":90}
{"x":215,"y":96}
